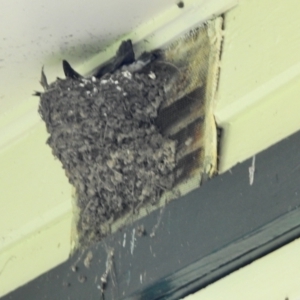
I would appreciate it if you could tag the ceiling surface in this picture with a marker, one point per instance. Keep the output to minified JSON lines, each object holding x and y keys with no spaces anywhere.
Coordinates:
{"x":34,"y":33}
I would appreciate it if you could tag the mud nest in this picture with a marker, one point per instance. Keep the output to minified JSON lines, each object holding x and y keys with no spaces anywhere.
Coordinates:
{"x":103,"y":131}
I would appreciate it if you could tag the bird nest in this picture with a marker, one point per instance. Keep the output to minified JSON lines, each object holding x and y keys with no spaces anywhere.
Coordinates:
{"x":103,"y":130}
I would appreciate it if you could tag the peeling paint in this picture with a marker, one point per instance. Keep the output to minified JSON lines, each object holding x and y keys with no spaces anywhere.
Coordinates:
{"x":252,"y":171}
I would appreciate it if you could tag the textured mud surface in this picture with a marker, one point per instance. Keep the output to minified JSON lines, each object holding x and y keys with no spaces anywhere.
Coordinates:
{"x":104,"y":133}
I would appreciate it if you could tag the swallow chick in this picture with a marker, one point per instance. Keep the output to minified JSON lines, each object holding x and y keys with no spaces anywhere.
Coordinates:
{"x":43,"y":82}
{"x":69,"y":71}
{"x":124,"y":56}
{"x":145,"y":59}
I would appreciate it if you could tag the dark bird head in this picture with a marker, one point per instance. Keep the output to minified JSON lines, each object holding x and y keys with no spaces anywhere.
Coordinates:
{"x":124,"y":56}
{"x":69,"y":71}
{"x":148,"y":57}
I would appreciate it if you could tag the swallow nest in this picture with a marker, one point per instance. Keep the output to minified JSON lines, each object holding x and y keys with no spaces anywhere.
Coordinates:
{"x":104,"y":133}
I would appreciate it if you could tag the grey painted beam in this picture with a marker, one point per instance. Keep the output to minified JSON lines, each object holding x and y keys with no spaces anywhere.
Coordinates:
{"x":197,"y":239}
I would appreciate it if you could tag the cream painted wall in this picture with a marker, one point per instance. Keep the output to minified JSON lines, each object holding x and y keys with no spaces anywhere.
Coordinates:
{"x":258,"y":98}
{"x":34,"y":188}
{"x":35,"y":209}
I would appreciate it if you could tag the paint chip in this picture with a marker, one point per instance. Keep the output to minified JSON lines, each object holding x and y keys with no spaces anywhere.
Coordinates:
{"x":252,"y":171}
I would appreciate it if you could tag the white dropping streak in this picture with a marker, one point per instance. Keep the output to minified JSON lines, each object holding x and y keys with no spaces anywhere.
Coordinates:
{"x":252,"y":171}
{"x":127,"y":74}
{"x":132,"y":241}
{"x":124,"y":240}
{"x":152,"y":75}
